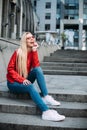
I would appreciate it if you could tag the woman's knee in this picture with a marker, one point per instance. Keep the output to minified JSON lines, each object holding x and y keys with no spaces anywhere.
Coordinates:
{"x":38,"y":70}
{"x":32,"y":90}
{"x":30,"y":87}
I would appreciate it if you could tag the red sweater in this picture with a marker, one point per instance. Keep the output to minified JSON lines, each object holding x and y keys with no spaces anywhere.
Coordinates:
{"x":12,"y":74}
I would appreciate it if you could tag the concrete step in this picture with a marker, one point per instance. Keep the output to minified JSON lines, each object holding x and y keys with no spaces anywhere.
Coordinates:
{"x":64,"y":68}
{"x":69,"y":109}
{"x":58,"y":94}
{"x":64,"y":88}
{"x":63,"y":64}
{"x":62,"y":94}
{"x":59,"y":59}
{"x":71,"y":55}
{"x":66,"y":62}
{"x":33,"y":122}
{"x":74,"y":68}
{"x":65,"y":72}
{"x":74,"y":52}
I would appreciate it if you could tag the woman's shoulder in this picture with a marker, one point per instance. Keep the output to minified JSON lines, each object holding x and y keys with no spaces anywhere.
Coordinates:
{"x":15,"y":52}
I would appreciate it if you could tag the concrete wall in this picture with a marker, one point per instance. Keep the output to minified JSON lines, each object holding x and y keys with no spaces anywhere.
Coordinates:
{"x":7,"y":48}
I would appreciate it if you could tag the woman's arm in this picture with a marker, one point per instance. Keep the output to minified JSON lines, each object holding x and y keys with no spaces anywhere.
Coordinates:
{"x":12,"y":72}
{"x":35,"y":59}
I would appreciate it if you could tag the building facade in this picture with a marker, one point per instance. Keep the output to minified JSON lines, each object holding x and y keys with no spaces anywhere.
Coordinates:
{"x":64,"y":16}
{"x":16,"y":17}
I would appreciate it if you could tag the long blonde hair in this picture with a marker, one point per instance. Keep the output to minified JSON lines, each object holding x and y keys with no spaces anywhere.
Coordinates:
{"x":22,"y":57}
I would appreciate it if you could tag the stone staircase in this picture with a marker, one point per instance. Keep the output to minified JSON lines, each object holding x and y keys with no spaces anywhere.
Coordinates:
{"x":18,"y":112}
{"x":66,"y":62}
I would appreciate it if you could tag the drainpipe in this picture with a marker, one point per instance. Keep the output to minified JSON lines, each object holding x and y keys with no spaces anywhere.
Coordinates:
{"x":61,"y":21}
{"x":80,"y":23}
{"x":0,"y":15}
{"x":21,"y":12}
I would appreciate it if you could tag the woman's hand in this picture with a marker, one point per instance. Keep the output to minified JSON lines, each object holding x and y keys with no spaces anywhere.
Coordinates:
{"x":35,"y":46}
{"x":26,"y":82}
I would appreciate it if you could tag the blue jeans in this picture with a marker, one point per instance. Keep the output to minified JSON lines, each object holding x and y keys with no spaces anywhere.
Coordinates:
{"x":20,"y":88}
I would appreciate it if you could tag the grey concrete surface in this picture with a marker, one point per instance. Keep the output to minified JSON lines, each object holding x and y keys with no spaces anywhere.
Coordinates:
{"x":69,"y":109}
{"x":34,"y":122}
{"x":61,"y":84}
{"x":64,"y":88}
{"x":67,"y":83}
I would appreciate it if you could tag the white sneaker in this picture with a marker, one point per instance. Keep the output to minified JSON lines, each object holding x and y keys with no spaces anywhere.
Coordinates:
{"x":52,"y":115}
{"x":50,"y":100}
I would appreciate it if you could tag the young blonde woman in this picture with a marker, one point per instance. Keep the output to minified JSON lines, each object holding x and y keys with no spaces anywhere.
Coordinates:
{"x":23,"y":69}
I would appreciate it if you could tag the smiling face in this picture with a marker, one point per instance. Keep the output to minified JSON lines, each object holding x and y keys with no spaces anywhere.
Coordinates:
{"x":30,"y":40}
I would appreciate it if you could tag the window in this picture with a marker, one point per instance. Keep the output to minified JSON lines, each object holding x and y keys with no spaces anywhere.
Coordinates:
{"x":71,"y":1}
{"x":48,"y":16}
{"x":58,"y":5}
{"x":48,"y":5}
{"x":71,"y":9}
{"x":85,"y":10}
{"x":47,"y":26}
{"x":85,"y":1}
{"x":35,"y":3}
